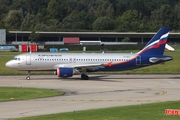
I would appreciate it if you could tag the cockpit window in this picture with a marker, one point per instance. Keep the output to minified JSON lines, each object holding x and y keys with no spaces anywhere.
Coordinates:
{"x":16,"y":59}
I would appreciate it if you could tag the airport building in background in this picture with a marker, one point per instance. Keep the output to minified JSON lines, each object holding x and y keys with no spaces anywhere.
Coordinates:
{"x":2,"y":36}
{"x":54,"y":38}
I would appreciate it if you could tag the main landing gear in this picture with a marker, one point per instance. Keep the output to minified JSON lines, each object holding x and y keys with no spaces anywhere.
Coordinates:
{"x":28,"y":76}
{"x":84,"y":77}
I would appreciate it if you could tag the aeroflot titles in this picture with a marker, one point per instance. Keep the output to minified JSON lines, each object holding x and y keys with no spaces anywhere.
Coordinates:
{"x":49,"y":55}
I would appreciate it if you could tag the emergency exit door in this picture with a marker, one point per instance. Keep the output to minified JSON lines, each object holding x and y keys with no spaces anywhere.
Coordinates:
{"x":138,"y":60}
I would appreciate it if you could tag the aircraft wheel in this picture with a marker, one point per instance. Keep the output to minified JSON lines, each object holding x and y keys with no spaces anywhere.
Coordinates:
{"x":87,"y":77}
{"x":28,"y":78}
{"x":84,"y":77}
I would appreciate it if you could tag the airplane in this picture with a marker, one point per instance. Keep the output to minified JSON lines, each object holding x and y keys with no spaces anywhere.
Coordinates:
{"x":69,"y":64}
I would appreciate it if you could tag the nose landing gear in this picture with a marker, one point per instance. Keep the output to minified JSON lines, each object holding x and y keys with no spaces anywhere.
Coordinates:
{"x":28,"y":76}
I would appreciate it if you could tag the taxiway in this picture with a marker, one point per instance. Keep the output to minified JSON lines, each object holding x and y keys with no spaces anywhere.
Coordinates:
{"x":101,"y":91}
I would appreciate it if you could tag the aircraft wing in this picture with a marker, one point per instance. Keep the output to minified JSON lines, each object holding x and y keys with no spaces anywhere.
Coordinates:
{"x":80,"y":66}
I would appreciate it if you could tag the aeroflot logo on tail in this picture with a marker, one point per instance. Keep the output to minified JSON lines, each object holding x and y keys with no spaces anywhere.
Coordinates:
{"x":162,"y":40}
{"x":156,"y":44}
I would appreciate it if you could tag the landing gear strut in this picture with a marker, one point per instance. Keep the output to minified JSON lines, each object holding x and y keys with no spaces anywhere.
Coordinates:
{"x":28,"y":76}
{"x":84,"y":77}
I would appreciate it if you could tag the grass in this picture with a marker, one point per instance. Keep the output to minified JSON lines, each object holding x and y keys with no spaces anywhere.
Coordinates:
{"x":154,"y":111}
{"x":15,"y":93}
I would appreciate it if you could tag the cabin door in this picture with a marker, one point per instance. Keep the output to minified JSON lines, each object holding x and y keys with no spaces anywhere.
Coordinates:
{"x":28,"y":59}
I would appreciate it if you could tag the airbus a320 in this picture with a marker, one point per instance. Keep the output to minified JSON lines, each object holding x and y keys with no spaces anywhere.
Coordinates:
{"x":69,"y":64}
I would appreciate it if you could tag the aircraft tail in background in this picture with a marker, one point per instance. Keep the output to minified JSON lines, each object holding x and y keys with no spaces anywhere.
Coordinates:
{"x":157,"y":44}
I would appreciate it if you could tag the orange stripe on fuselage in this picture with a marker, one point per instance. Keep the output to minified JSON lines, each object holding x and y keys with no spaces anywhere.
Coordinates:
{"x":118,"y":63}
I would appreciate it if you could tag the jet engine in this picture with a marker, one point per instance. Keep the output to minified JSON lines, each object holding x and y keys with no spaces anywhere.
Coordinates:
{"x":65,"y":72}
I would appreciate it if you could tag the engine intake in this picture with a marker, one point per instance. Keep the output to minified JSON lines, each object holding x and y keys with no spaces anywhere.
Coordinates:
{"x":65,"y":72}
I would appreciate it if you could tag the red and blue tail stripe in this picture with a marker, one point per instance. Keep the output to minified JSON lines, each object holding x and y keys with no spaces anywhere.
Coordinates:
{"x":157,"y":44}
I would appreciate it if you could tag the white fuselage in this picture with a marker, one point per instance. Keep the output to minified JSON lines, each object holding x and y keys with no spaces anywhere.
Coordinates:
{"x":51,"y":61}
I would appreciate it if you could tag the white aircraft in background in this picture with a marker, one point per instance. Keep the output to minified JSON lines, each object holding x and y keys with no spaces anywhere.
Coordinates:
{"x":169,"y":48}
{"x":68,"y":64}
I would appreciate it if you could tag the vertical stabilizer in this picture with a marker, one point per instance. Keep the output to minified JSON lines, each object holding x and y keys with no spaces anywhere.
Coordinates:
{"x":157,"y":43}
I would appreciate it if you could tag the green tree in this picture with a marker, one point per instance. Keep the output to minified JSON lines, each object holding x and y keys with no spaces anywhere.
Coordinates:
{"x":128,"y":21}
{"x":68,"y":21}
{"x":130,"y":15}
{"x":103,"y":23}
{"x":126,"y":39}
{"x":4,"y":7}
{"x":140,"y":6}
{"x":28,"y":21}
{"x":77,"y":20}
{"x":110,"y":11}
{"x":52,"y":24}
{"x":34,"y":6}
{"x":101,"y":10}
{"x":34,"y":37}
{"x":52,"y":9}
{"x":164,"y":16}
{"x":13,"y":19}
{"x":63,"y":11}
{"x":177,"y":14}
{"x":120,"y":6}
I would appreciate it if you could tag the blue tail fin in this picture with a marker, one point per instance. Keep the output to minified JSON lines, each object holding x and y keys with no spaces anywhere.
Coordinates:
{"x":157,"y":44}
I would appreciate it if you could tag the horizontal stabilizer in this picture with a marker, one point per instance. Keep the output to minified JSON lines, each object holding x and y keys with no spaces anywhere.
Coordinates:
{"x":155,"y":59}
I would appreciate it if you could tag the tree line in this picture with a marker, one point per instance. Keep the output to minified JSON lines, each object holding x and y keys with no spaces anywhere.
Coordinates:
{"x":89,"y":15}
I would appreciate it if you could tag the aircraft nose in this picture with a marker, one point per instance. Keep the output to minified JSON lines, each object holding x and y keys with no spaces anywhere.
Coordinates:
{"x":9,"y":64}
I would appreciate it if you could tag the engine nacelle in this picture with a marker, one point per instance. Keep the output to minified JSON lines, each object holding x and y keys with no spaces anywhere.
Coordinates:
{"x":65,"y":72}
